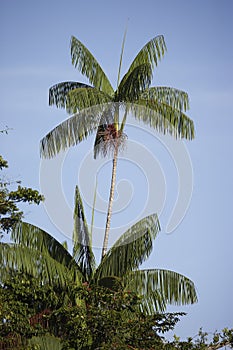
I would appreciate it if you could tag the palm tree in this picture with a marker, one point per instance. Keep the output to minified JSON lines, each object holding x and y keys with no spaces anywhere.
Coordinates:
{"x":96,"y":106}
{"x":37,"y":253}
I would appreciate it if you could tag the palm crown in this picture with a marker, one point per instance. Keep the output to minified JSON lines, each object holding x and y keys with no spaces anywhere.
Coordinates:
{"x":166,"y":105}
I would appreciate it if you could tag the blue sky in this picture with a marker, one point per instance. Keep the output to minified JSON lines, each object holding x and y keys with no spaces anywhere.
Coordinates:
{"x":35,"y":54}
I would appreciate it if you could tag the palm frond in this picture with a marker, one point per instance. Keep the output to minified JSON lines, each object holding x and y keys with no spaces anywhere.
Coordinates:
{"x":89,"y":67}
{"x":33,"y":237}
{"x":161,"y":287}
{"x":164,"y":118}
{"x":70,"y":132}
{"x":151,"y":53}
{"x":82,"y":251}
{"x":175,"y":98}
{"x":58,"y":93}
{"x":131,"y":249}
{"x":134,"y":83}
{"x":20,"y":258}
{"x":79,"y":99}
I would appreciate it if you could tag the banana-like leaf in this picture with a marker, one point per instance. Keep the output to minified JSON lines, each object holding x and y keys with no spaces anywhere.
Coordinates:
{"x":131,"y":249}
{"x":33,"y":237}
{"x":16,"y":257}
{"x":151,"y":53}
{"x":164,"y":118}
{"x":81,"y":98}
{"x":89,"y":67}
{"x":70,"y":132}
{"x":175,"y":98}
{"x":82,"y":251}
{"x":58,"y":93}
{"x":161,"y":287}
{"x":133,"y":84}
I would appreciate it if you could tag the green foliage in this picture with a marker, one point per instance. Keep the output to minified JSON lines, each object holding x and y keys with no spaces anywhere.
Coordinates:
{"x":110,"y":320}
{"x":22,"y":297}
{"x":10,"y":213}
{"x":35,"y":316}
{"x":163,"y":104}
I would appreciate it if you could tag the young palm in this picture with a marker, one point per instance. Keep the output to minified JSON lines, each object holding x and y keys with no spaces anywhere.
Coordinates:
{"x":96,"y":106}
{"x":37,"y":253}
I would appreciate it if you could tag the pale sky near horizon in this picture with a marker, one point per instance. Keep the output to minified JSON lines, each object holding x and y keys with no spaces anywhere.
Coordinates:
{"x":35,"y":54}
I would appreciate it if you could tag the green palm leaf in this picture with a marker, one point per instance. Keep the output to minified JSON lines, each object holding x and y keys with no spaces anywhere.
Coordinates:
{"x":58,"y":93}
{"x":70,"y":132}
{"x":80,"y":98}
{"x":134,"y":83}
{"x":163,"y":118}
{"x":39,"y":265}
{"x":82,"y":251}
{"x":131,"y":249}
{"x":173,"y":97}
{"x":150,"y":54}
{"x":161,"y":287}
{"x":32,"y":237}
{"x":89,"y":67}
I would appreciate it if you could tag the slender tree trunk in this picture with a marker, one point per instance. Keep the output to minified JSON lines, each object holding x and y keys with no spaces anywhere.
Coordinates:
{"x":111,"y":198}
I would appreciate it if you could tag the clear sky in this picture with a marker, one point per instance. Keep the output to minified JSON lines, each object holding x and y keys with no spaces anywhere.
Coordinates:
{"x":35,"y":54}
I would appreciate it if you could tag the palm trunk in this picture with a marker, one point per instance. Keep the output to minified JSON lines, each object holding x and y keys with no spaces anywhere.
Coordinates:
{"x":111,"y":198}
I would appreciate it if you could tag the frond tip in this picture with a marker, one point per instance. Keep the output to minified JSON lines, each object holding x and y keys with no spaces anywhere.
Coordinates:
{"x":89,"y":67}
{"x":166,"y":286}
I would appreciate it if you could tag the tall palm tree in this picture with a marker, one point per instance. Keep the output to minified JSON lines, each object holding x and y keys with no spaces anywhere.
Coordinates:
{"x":163,"y":108}
{"x":37,"y":253}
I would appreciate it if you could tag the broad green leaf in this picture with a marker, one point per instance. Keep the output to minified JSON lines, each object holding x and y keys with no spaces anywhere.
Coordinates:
{"x":151,"y":53}
{"x":58,"y":93}
{"x":131,"y":249}
{"x":82,"y":251}
{"x":32,"y":237}
{"x":133,"y":84}
{"x":70,"y":132}
{"x":175,"y":98}
{"x":161,"y":287}
{"x":79,"y":99}
{"x":21,"y":258}
{"x":89,"y":67}
{"x":163,"y":118}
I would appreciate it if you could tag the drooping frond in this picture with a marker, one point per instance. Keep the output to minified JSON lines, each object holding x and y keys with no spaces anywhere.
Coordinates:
{"x":131,"y":249}
{"x":33,"y":237}
{"x":161,"y":287}
{"x":20,"y":258}
{"x":70,"y":132}
{"x":89,"y":67}
{"x":58,"y":93}
{"x":134,"y":83}
{"x":175,"y":98}
{"x":79,"y":99}
{"x":150,"y":54}
{"x":163,"y":118}
{"x":82,"y":251}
